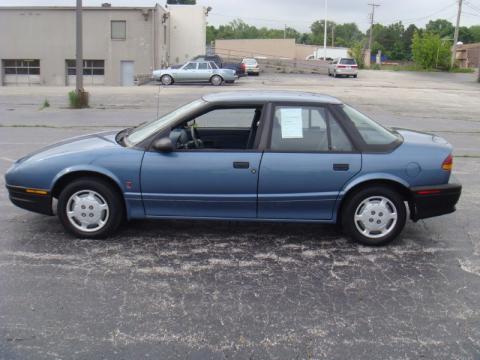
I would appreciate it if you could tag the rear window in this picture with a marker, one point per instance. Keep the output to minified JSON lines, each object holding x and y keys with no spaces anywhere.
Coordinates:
{"x":348,"y":62}
{"x":371,"y":132}
{"x":250,"y":61}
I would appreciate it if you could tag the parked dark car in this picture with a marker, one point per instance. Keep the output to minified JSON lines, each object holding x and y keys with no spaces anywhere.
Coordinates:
{"x":240,"y":68}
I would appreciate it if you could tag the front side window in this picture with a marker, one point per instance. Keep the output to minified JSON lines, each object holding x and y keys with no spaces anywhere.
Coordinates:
{"x":119,"y":29}
{"x":190,"y":66}
{"x":144,"y":131}
{"x":309,"y":129}
{"x":371,"y":132}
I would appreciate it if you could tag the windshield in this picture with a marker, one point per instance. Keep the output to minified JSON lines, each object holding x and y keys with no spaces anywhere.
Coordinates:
{"x":144,"y":131}
{"x":371,"y":132}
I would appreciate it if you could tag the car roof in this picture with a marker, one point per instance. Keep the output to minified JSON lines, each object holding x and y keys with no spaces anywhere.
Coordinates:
{"x":270,"y":96}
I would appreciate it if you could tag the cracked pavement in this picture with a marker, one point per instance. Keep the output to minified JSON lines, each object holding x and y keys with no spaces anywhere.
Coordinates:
{"x":228,"y":290}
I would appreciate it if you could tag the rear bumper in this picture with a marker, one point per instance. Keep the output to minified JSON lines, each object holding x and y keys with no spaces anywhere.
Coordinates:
{"x":430,"y":201}
{"x":29,"y":201}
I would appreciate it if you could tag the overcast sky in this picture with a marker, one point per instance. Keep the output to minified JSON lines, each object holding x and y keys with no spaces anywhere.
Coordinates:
{"x":301,"y":13}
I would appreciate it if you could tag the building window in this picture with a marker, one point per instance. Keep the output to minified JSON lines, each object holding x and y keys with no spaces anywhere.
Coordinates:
{"x":119,"y":29}
{"x":21,"y":67}
{"x":90,"y":67}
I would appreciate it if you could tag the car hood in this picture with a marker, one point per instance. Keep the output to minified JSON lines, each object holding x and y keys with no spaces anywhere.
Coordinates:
{"x":78,"y":144}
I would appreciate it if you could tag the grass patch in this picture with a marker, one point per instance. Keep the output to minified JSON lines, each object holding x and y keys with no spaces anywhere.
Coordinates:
{"x":462,"y":70}
{"x":78,"y":101}
{"x":45,"y":104}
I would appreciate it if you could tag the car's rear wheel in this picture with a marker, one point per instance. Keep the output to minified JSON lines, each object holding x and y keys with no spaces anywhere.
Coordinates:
{"x":90,"y":208}
{"x":166,"y":80}
{"x":374,"y":215}
{"x":216,"y":80}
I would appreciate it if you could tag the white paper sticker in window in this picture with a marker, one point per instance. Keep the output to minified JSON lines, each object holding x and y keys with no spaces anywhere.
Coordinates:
{"x":291,"y":123}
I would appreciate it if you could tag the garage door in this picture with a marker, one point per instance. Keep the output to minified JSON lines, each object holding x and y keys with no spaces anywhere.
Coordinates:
{"x":93,"y":72}
{"x":21,"y":72}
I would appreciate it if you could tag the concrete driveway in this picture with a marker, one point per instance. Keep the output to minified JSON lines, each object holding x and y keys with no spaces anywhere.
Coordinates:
{"x":195,"y":290}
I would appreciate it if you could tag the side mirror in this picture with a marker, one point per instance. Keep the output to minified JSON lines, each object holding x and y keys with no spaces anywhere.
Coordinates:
{"x":164,"y":144}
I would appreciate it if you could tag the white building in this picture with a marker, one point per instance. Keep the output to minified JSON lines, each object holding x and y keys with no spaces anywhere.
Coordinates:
{"x":37,"y":44}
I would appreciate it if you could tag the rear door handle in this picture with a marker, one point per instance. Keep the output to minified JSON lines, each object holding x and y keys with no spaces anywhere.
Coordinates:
{"x":241,"y":164}
{"x":341,"y":167}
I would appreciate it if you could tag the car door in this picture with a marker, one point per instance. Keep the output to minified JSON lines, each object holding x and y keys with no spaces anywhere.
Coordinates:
{"x":308,"y":161}
{"x":186,"y":73}
{"x":203,"y":72}
{"x":202,"y":183}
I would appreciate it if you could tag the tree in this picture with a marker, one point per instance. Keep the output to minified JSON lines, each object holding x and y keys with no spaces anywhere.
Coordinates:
{"x":475,"y":31}
{"x":356,"y":51}
{"x":407,"y":41}
{"x":430,"y":51}
{"x":441,"y":27}
{"x":465,"y":35}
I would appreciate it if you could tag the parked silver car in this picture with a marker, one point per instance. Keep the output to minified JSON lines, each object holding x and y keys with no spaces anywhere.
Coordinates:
{"x":251,"y":66}
{"x":195,"y":71}
{"x":343,"y":67}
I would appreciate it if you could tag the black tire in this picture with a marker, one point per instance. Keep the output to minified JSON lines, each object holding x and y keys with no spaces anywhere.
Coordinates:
{"x":166,"y":80}
{"x":104,"y":189}
{"x":374,"y":193}
{"x":216,"y":80}
{"x":355,"y":76}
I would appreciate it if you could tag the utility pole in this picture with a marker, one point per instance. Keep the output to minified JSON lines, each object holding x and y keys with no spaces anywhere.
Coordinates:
{"x":455,"y":36}
{"x":325,"y":33}
{"x":372,"y":19}
{"x":79,"y":49}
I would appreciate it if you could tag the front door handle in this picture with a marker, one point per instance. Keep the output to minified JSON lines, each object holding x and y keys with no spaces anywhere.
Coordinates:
{"x":241,"y":164}
{"x":341,"y":167}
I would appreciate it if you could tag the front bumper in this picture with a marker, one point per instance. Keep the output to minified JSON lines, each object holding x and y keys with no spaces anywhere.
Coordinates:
{"x":430,"y":201}
{"x":25,"y":199}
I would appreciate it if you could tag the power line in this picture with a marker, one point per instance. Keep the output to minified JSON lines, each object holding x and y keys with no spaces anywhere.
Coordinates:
{"x":414,"y":20}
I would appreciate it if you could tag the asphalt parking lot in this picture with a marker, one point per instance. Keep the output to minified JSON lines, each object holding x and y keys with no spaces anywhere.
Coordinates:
{"x":197,"y":290}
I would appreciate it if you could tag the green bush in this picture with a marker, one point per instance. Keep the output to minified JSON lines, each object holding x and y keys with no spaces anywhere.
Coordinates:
{"x":430,"y":52}
{"x":356,"y":52}
{"x":76,"y":100}
{"x":45,"y":104}
{"x":376,"y":67}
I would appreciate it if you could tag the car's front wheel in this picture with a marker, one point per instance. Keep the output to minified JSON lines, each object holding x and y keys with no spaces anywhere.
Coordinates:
{"x":166,"y":80}
{"x":374,"y":215}
{"x":216,"y":80}
{"x":90,"y":208}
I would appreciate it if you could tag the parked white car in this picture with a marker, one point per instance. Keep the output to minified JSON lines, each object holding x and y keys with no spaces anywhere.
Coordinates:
{"x":343,"y":67}
{"x":251,"y":66}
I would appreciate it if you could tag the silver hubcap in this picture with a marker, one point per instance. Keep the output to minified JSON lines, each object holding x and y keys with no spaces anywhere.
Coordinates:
{"x":166,"y":80}
{"x":87,"y":210}
{"x":375,"y":217}
{"x":216,"y":80}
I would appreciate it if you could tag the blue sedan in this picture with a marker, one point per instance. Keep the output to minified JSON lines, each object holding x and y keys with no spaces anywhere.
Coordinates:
{"x":262,"y":156}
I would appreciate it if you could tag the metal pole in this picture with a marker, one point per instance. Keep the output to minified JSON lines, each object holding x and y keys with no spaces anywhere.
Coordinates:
{"x":325,"y":33}
{"x":372,"y":18}
{"x":455,"y":36}
{"x":79,"y":49}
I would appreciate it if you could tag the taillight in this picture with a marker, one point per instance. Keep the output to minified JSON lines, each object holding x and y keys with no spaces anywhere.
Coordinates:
{"x":448,"y":163}
{"x":341,"y":66}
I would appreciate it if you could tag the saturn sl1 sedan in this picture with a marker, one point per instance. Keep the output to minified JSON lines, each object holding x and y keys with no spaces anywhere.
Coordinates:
{"x":257,"y":156}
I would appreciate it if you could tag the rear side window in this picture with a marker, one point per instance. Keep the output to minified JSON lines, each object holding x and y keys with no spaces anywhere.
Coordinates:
{"x":371,"y":132}
{"x":202,"y":66}
{"x":348,"y":62}
{"x":309,"y":129}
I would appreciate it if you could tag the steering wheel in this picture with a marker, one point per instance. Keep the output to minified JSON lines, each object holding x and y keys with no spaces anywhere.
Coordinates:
{"x":197,"y":142}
